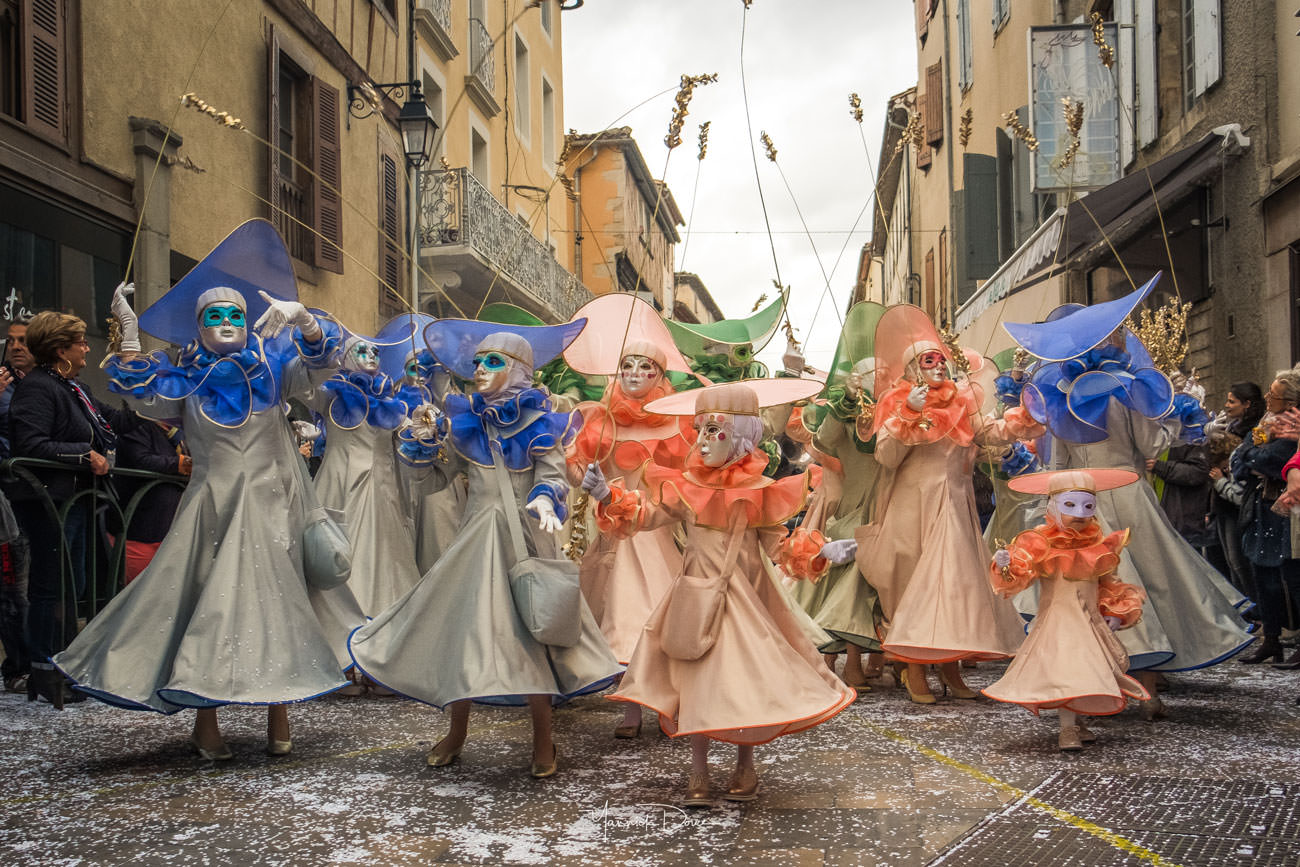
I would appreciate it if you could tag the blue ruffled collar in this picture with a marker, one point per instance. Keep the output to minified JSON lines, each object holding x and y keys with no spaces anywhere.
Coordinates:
{"x":360,"y":397}
{"x":522,"y":426}
{"x":1072,"y":397}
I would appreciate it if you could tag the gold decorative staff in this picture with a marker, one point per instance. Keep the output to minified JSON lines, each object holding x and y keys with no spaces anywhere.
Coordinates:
{"x":576,"y":547}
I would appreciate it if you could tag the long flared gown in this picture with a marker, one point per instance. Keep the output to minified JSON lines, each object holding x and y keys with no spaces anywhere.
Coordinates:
{"x":456,"y":634}
{"x":718,"y":694}
{"x":1190,"y":620}
{"x":223,"y":614}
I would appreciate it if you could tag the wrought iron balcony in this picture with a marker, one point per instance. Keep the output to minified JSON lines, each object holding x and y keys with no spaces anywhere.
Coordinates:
{"x":465,"y":230}
{"x":482,"y":79}
{"x":433,"y":17}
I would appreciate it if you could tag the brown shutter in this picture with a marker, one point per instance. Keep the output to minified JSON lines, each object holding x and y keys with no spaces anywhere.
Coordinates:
{"x":327,"y":203}
{"x":934,"y":104}
{"x":928,"y":304}
{"x":44,"y":79}
{"x":390,"y":233}
{"x":922,"y":19}
{"x":273,"y":131}
{"x":942,"y":266}
{"x":923,"y":152}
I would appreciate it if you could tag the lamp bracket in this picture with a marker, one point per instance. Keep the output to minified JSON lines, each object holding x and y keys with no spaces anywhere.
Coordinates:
{"x":364,"y":99}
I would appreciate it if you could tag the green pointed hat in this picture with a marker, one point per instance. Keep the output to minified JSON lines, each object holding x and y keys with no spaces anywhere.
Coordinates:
{"x":857,"y":340}
{"x":739,"y":339}
{"x":1004,"y":359}
{"x":507,"y":314}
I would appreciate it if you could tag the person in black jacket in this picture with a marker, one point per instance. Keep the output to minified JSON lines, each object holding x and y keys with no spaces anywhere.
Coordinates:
{"x":1183,"y":482}
{"x":158,"y":447}
{"x":55,"y":418}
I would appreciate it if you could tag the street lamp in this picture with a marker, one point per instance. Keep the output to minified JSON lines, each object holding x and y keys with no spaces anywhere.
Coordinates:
{"x":415,"y":120}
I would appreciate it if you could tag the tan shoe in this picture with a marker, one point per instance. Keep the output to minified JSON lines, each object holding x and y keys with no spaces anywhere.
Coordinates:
{"x":441,"y":756}
{"x":698,"y":790}
{"x":546,"y":769}
{"x":1152,"y":709}
{"x":957,"y":689}
{"x":278,"y":748}
{"x":1069,"y":741}
{"x":1086,"y":734}
{"x":918,"y":697}
{"x":743,"y":785}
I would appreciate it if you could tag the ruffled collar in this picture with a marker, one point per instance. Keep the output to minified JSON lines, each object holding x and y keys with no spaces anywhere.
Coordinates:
{"x":521,"y":425}
{"x":745,"y":472}
{"x":360,"y":397}
{"x":631,"y":410}
{"x":1072,"y":397}
{"x":949,"y":411}
{"x":715,"y":496}
{"x":229,"y":388}
{"x":1079,"y":555}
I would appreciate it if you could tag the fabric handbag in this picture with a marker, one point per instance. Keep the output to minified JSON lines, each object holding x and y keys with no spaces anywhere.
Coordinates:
{"x":868,"y":538}
{"x":326,"y":551}
{"x":547,"y":595}
{"x":695,"y":606}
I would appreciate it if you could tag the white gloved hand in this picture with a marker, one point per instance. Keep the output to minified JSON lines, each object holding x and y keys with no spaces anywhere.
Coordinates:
{"x":125,"y":315}
{"x":840,"y":550}
{"x":423,"y":423}
{"x":540,"y":508}
{"x":306,"y":431}
{"x":853,"y":384}
{"x":593,"y":482}
{"x":286,"y":313}
{"x":793,"y":360}
{"x":1002,"y":558}
{"x":916,"y":398}
{"x":1114,"y":623}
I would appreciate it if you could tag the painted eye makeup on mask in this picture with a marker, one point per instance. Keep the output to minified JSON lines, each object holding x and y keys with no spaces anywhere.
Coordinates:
{"x":220,"y":314}
{"x":490,"y":361}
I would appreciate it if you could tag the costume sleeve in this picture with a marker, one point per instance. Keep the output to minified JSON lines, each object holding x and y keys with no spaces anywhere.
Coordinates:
{"x":550,"y":480}
{"x":426,"y":464}
{"x":310,"y":364}
{"x":1027,"y":551}
{"x":1293,"y":464}
{"x":890,"y":451}
{"x":147,"y":384}
{"x":629,"y":512}
{"x":799,"y":554}
{"x":1118,"y":599}
{"x":1015,"y":424}
{"x":1191,"y":470}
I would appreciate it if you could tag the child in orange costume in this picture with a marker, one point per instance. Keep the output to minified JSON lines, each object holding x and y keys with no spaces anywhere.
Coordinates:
{"x":1071,"y":661}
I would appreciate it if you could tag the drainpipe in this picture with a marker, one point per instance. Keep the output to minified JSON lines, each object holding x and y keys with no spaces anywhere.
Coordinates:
{"x":413,"y":196}
{"x":948,"y":305}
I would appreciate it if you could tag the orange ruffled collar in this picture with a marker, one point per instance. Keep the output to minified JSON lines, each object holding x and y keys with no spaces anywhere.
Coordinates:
{"x":1079,"y":555}
{"x":631,"y":410}
{"x":947,"y":412}
{"x":713,"y":494}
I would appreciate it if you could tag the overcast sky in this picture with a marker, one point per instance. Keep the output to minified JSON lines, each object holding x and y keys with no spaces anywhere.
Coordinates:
{"x":802,"y":59}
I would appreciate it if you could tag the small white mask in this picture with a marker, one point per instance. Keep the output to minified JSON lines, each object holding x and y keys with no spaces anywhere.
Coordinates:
{"x":363,"y":357}
{"x":637,"y":375}
{"x":1072,"y":507}
{"x":223,"y":328}
{"x":715,"y":438}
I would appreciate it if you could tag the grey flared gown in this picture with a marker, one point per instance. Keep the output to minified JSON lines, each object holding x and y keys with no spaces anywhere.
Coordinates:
{"x":1190,"y":618}
{"x":223,"y":614}
{"x":359,"y":478}
{"x":456,"y":634}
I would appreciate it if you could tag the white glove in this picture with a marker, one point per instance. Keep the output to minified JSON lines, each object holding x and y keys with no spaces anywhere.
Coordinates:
{"x":593,"y":482}
{"x":282,"y":313}
{"x":423,"y":423}
{"x":853,"y":384}
{"x":793,"y":359}
{"x":1114,"y":623}
{"x":1002,"y":558}
{"x":306,"y":431}
{"x":916,"y":398}
{"x":840,"y":550}
{"x":540,"y":508}
{"x":121,"y":309}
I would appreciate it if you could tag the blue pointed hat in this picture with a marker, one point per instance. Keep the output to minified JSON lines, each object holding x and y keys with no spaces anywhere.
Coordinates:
{"x":1078,"y":330}
{"x":453,"y":341}
{"x":250,"y":258}
{"x":400,"y":336}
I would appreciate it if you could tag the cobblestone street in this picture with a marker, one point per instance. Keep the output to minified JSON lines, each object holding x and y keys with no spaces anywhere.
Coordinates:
{"x":885,"y":783}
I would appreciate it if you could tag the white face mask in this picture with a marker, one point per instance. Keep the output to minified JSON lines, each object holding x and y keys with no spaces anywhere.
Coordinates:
{"x":491,"y":372}
{"x":637,"y":375}
{"x":1073,"y":508}
{"x":715,"y":439}
{"x":363,"y":357}
{"x":932,"y":367}
{"x":223,"y":328}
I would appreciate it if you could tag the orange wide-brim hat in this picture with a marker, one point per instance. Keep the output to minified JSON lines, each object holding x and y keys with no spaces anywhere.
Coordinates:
{"x":745,"y":397}
{"x":1085,"y":479}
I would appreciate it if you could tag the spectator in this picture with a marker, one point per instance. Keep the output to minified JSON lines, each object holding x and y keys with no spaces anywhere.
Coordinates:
{"x":14,"y":553}
{"x":1182,"y":482}
{"x":1242,"y":410}
{"x":159,"y":448}
{"x":55,"y":418}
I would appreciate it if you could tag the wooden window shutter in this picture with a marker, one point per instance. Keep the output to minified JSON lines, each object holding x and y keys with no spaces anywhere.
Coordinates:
{"x":390,"y":236}
{"x":272,"y":130}
{"x":44,"y":62}
{"x":327,"y":203}
{"x":922,"y":19}
{"x":934,"y":104}
{"x":928,"y":303}
{"x":942,"y":265}
{"x":923,"y":155}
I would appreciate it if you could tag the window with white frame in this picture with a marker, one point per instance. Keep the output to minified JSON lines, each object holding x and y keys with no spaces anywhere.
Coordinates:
{"x":523,"y":114}
{"x":964,"y":46}
{"x":548,"y":126}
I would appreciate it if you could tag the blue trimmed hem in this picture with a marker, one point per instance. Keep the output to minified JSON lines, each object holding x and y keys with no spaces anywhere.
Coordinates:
{"x":118,"y":701}
{"x":1218,"y":659}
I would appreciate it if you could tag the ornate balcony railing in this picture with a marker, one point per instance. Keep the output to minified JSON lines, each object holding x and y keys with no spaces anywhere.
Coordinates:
{"x":441,"y":11}
{"x":455,"y":210}
{"x":433,"y":18}
{"x":481,"y":65}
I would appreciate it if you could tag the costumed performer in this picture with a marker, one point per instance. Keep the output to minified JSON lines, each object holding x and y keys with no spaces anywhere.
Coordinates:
{"x":1105,"y":405}
{"x":841,"y":601}
{"x":923,"y":552}
{"x":725,"y":616}
{"x":223,"y":614}
{"x":623,"y":579}
{"x":456,"y":637}
{"x":1071,"y":661}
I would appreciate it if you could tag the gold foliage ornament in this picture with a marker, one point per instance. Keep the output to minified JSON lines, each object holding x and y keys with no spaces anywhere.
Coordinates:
{"x":959,"y":359}
{"x":1105,"y":53}
{"x":767,"y":145}
{"x":964,"y":130}
{"x":1020,"y":131}
{"x":1163,"y":332}
{"x":191,"y":100}
{"x":762,"y":299}
{"x":704,"y":139}
{"x":1073,"y":123}
{"x":576,"y":547}
{"x":682,"y":108}
{"x":855,"y":107}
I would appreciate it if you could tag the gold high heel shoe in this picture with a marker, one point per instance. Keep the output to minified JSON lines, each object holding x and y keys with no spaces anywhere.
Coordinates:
{"x":441,"y":758}
{"x":743,"y":785}
{"x":221,"y":754}
{"x":698,"y":790}
{"x":918,"y":697}
{"x":958,"y":689}
{"x":276,"y":747}
{"x":1069,"y":740}
{"x":541,"y":772}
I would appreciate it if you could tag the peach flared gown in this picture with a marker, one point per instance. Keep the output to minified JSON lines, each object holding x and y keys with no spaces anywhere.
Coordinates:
{"x":1071,"y":659}
{"x":762,"y":678}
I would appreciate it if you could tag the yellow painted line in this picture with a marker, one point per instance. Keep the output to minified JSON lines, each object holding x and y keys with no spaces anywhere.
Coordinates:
{"x":214,"y":773}
{"x":1121,"y":843}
